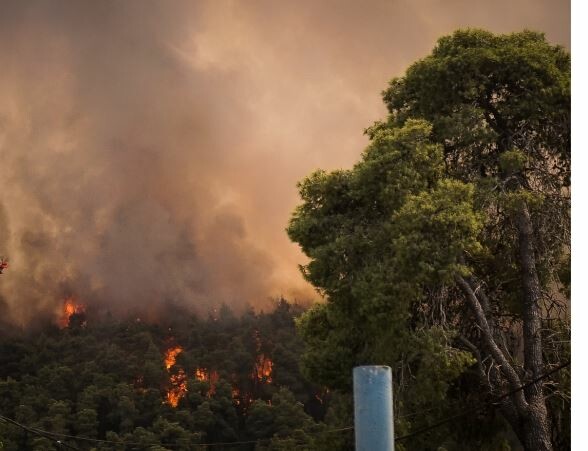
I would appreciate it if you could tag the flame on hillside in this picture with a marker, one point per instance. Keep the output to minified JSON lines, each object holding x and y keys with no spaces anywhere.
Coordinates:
{"x":263,"y":369}
{"x":178,"y":385}
{"x":201,"y":374}
{"x":241,"y":400}
{"x":212,"y":377}
{"x":262,"y":373}
{"x":70,"y":308}
{"x":170,"y":356}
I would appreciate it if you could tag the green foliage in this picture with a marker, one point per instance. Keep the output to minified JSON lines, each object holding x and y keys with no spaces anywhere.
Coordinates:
{"x":392,"y":226}
{"x":512,"y":161}
{"x":74,"y":389}
{"x":478,"y":132}
{"x":433,"y":229}
{"x":510,"y":80}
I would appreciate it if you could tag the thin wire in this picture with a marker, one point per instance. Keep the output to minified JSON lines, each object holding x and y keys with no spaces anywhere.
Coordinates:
{"x":243,"y":442}
{"x":36,"y":432}
{"x":483,"y":406}
{"x":122,"y":442}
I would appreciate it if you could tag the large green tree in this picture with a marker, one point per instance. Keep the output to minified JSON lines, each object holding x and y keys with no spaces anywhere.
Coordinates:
{"x":445,"y":248}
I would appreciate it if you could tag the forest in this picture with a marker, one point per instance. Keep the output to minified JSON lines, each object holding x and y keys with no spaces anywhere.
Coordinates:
{"x":117,"y":384}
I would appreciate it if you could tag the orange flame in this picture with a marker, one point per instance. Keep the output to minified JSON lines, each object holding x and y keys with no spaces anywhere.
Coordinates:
{"x":70,"y":308}
{"x":203,"y":375}
{"x":178,"y":389}
{"x":178,"y":382}
{"x":263,"y":369}
{"x":241,"y":399}
{"x":170,"y":356}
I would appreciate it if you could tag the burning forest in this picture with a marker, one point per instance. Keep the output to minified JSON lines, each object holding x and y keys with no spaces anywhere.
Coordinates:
{"x":71,"y":311}
{"x":177,"y":378}
{"x":209,"y":380}
{"x":170,"y":168}
{"x":243,"y":393}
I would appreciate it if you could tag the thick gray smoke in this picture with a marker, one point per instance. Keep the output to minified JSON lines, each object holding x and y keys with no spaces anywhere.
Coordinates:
{"x":149,"y":150}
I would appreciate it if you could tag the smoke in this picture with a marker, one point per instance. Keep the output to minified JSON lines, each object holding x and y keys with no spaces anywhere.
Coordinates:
{"x":149,"y":150}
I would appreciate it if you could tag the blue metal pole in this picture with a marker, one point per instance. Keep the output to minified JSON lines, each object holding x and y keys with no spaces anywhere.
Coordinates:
{"x":372,"y":398}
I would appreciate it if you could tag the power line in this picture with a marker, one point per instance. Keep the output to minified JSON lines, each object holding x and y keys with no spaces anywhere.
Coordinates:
{"x":44,"y":433}
{"x":37,"y":432}
{"x":483,"y":406}
{"x":169,"y":445}
{"x":242,"y":442}
{"x":123,"y":442}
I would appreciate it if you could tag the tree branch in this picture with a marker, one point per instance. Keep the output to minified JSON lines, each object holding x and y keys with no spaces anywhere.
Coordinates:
{"x":474,"y":350}
{"x":506,"y":368}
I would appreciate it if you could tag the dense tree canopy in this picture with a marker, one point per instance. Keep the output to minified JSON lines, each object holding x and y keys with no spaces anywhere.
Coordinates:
{"x":126,"y":384}
{"x":443,"y":252}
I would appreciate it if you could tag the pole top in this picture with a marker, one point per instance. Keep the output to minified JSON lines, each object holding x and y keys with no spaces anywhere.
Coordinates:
{"x":372,"y":369}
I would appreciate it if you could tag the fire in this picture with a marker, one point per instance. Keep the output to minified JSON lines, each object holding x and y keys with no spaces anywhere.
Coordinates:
{"x":70,"y":308}
{"x":263,"y":369}
{"x":262,"y":373}
{"x":203,"y":375}
{"x":241,"y":399}
{"x":178,"y":382}
{"x":170,"y":356}
{"x":179,"y":387}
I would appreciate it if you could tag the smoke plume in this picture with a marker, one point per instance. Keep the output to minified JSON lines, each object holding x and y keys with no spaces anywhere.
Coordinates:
{"x":149,"y":150}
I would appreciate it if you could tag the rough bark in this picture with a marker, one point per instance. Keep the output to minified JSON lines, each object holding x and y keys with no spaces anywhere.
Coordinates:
{"x":536,"y":427}
{"x":531,"y":302}
{"x":536,"y":435}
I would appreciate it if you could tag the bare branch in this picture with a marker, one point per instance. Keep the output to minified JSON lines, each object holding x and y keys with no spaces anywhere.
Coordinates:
{"x":506,"y":368}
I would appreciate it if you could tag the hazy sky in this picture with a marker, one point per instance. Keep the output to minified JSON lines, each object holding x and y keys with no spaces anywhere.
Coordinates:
{"x":150,"y":149}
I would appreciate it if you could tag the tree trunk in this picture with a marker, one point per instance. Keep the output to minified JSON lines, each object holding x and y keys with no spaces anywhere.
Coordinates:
{"x":535,"y":423}
{"x":536,"y":428}
{"x":526,"y":410}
